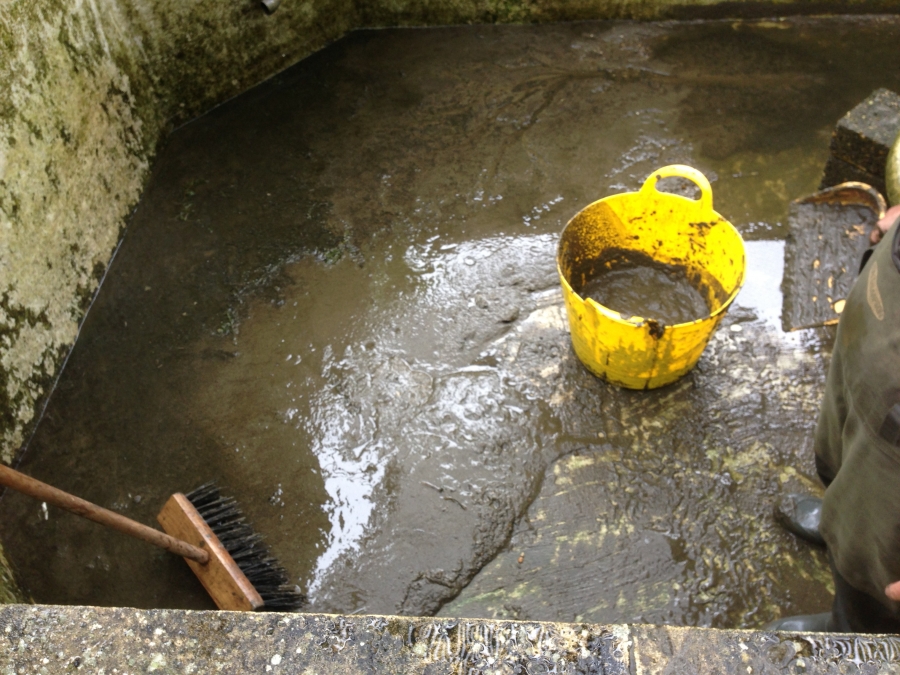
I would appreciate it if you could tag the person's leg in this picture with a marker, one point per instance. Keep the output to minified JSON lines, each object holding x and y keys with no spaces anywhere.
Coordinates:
{"x":802,"y":623}
{"x":856,"y":612}
{"x":801,"y":514}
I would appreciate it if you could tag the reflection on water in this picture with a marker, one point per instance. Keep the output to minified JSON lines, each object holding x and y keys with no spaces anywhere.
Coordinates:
{"x":404,"y":399}
{"x":761,"y":291}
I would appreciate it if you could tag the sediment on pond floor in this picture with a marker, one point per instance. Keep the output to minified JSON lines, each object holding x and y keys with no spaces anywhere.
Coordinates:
{"x":348,"y":314}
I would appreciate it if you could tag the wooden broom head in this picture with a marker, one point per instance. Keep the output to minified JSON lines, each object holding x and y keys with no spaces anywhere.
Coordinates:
{"x":241,"y":575}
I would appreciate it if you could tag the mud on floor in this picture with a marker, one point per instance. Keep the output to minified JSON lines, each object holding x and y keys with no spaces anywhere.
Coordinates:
{"x":338,"y":298}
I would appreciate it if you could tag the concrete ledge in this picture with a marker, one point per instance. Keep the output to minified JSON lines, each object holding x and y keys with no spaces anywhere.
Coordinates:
{"x":49,"y":639}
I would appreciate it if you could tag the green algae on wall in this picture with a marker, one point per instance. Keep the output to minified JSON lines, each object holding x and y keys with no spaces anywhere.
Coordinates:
{"x":87,"y":91}
{"x":71,"y":165}
{"x":192,"y":56}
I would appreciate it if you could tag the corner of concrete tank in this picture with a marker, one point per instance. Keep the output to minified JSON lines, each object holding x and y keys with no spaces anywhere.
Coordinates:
{"x":86,"y":97}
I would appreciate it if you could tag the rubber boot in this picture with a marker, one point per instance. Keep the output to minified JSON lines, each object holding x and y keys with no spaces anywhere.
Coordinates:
{"x":803,"y":623}
{"x":801,"y":514}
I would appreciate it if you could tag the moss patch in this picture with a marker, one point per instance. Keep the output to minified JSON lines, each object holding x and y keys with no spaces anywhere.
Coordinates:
{"x":9,"y":591}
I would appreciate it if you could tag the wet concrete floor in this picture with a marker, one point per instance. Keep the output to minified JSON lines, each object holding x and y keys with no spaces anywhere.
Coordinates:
{"x":338,"y":298}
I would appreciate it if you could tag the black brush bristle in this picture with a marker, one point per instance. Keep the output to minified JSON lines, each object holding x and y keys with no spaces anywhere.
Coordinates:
{"x":246,"y":547}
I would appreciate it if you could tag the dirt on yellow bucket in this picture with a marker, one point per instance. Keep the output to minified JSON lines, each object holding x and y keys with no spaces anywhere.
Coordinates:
{"x":642,"y":352}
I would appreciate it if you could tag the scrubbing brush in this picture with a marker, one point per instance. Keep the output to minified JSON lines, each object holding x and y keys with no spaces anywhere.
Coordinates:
{"x":207,"y":530}
{"x":206,"y":518}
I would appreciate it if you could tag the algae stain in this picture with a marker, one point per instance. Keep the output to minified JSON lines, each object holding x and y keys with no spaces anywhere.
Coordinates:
{"x":9,"y":590}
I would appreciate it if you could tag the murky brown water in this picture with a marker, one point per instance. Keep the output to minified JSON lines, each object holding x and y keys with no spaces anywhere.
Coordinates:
{"x":338,"y":297}
{"x":660,"y":292}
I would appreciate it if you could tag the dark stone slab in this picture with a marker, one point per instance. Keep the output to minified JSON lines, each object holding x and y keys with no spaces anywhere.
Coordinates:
{"x":827,"y":235}
{"x":864,"y":136}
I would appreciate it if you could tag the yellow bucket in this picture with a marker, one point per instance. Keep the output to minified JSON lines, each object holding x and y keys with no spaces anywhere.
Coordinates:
{"x":637,"y":352}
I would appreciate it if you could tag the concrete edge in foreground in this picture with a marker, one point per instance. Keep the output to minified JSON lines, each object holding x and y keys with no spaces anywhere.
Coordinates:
{"x":53,"y":639}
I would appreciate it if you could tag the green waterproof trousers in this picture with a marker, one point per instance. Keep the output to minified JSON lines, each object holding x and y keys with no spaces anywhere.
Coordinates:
{"x":857,"y":445}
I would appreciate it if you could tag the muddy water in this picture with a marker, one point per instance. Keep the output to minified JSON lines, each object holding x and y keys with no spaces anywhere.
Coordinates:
{"x":338,"y":297}
{"x":660,"y":292}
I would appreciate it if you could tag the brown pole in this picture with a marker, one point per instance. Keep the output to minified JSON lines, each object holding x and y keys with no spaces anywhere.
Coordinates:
{"x":35,"y":488}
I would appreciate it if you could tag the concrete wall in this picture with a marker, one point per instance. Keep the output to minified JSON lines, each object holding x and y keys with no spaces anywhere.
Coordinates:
{"x":88,"y":90}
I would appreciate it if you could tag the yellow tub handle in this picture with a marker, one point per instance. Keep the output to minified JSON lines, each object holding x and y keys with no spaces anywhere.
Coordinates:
{"x":705,"y":203}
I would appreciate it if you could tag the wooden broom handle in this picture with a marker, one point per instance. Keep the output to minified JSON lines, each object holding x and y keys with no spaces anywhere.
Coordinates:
{"x":35,"y":488}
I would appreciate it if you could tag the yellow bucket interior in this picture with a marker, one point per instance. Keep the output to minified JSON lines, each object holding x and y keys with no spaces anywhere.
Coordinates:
{"x":639,"y":352}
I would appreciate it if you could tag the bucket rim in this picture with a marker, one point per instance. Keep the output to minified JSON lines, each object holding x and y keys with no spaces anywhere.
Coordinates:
{"x":702,"y":206}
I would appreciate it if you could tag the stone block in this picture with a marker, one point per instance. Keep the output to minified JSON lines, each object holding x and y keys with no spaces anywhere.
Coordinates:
{"x":863,"y":138}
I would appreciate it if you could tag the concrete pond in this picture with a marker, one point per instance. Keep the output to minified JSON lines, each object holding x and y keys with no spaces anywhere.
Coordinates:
{"x":338,"y":298}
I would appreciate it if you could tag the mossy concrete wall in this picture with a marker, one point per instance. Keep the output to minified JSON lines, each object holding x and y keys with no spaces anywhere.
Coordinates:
{"x":88,"y":88}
